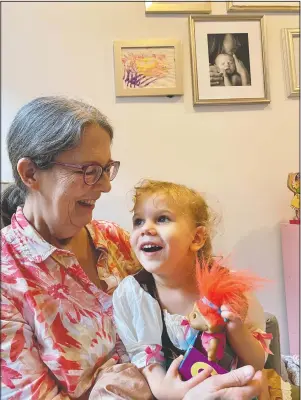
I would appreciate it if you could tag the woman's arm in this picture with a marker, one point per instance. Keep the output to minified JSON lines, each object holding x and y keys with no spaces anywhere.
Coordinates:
{"x":24,"y":375}
{"x":242,"y":71}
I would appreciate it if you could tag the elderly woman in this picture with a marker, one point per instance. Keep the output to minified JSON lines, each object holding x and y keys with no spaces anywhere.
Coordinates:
{"x":59,"y":266}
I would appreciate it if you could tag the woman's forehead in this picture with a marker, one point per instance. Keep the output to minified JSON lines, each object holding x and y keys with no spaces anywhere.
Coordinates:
{"x":94,"y":146}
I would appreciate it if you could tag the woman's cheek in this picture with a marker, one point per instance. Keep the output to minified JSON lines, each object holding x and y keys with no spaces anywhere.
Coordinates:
{"x":72,"y":187}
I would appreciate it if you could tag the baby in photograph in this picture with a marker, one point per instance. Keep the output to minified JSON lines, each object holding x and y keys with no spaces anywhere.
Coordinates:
{"x":233,"y":70}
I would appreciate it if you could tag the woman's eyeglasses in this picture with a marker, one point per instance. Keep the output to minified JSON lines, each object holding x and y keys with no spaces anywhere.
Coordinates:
{"x":92,"y":172}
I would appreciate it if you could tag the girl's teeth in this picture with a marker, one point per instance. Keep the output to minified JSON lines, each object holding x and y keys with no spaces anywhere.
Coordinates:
{"x":151,"y":248}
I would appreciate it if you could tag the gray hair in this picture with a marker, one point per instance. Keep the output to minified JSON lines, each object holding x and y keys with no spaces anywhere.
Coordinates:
{"x":41,"y":130}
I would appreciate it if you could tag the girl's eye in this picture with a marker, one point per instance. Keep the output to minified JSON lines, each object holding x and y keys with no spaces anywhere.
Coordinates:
{"x":138,"y":222}
{"x":163,"y":218}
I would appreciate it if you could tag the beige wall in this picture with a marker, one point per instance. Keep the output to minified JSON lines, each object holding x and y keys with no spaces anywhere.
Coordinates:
{"x":239,"y":155}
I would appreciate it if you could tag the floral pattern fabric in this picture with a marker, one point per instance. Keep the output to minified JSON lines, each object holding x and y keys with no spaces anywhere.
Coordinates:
{"x":57,"y":327}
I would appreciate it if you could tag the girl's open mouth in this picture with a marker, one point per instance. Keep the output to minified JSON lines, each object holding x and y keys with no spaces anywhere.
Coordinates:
{"x":151,"y":248}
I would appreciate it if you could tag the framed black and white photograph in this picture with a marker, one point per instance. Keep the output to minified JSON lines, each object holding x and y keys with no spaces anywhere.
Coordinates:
{"x":225,"y":51}
{"x":228,"y":60}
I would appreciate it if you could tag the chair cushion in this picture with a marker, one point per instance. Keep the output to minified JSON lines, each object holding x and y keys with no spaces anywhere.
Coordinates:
{"x":273,"y":361}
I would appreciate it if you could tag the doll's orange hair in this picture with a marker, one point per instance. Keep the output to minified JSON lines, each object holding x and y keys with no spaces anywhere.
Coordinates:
{"x":221,"y":286}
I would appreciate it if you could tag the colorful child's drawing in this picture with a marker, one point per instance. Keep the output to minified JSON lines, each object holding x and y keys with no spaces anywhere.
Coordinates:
{"x":149,"y":67}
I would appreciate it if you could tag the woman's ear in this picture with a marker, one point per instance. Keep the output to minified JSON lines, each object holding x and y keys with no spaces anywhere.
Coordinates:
{"x":27,"y":171}
{"x":199,"y":239}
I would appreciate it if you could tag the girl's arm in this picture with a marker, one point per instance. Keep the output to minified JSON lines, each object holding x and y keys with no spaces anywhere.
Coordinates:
{"x":169,"y":385}
{"x":240,"y":334}
{"x":246,"y":347}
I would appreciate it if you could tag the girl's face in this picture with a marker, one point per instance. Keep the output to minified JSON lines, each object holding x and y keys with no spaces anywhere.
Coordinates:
{"x":162,"y":236}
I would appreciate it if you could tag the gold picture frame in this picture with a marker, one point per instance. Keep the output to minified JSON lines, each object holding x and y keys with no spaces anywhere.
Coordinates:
{"x":257,"y":7}
{"x":291,"y":60}
{"x":177,"y":7}
{"x":204,"y":91}
{"x":150,"y":67}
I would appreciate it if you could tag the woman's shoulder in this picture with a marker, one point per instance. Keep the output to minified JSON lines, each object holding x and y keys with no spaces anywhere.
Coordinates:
{"x":11,"y":247}
{"x":108,"y":228}
{"x":6,"y":234}
{"x":116,"y":241}
{"x":106,"y":233}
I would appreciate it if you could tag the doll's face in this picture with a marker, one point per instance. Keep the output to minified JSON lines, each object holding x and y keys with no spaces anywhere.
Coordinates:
{"x":198,"y":322}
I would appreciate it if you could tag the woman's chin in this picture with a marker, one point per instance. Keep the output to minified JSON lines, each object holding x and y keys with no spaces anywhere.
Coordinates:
{"x":80,"y":220}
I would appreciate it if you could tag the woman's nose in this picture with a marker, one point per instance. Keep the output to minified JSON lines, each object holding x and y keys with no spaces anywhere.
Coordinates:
{"x":105,"y":183}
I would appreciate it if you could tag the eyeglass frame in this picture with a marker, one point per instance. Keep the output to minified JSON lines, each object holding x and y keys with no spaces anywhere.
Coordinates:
{"x":84,"y":167}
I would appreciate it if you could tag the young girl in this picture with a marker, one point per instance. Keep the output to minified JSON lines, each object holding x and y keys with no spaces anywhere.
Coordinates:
{"x":171,"y":229}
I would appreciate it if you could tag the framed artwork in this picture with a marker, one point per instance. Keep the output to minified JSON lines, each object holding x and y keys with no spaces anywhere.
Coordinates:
{"x":148,"y":68}
{"x":179,"y":7}
{"x":291,"y":55}
{"x":263,"y":6}
{"x":228,"y":59}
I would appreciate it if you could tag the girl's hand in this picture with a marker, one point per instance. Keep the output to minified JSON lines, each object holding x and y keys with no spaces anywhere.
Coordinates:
{"x":233,"y":321}
{"x":173,"y":388}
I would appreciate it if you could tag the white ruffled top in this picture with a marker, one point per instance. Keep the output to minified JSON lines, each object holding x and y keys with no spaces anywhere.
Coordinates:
{"x":139,"y":324}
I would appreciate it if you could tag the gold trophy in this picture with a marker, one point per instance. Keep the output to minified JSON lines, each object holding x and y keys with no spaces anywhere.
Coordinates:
{"x":293,"y":183}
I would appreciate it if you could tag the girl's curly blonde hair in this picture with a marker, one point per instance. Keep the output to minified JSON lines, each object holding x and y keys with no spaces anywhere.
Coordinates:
{"x":189,"y":200}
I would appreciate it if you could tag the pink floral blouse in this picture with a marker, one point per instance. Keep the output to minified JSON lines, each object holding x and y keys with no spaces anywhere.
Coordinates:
{"x":56,"y":324}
